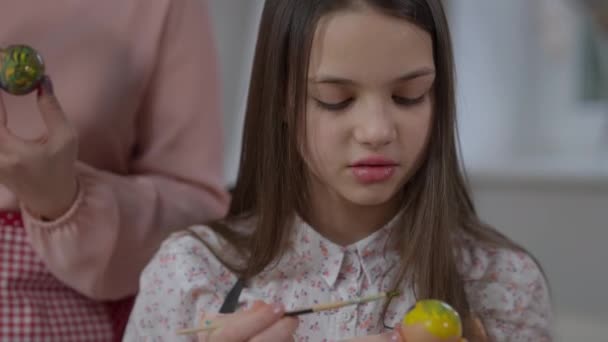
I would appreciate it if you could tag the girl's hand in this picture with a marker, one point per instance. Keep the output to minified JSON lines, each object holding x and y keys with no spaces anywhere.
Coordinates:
{"x":388,"y":337}
{"x":398,"y":335}
{"x":41,"y":172}
{"x":262,"y":322}
{"x":419,"y":334}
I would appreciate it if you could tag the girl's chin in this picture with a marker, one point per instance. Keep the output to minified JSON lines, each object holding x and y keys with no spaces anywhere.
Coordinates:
{"x":371,"y":197}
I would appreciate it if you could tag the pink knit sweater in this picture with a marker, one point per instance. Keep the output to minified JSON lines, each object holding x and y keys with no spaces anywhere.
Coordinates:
{"x":138,"y":79}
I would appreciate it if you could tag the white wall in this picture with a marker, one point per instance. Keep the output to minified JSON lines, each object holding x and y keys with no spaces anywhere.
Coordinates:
{"x":235,"y":23}
{"x":493,"y":68}
{"x":518,"y":73}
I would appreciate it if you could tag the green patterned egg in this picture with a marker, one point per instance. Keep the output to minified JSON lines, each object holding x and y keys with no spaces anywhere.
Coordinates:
{"x":21,"y":69}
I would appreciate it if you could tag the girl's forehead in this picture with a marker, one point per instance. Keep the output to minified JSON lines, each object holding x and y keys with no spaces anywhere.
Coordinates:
{"x":368,"y":45}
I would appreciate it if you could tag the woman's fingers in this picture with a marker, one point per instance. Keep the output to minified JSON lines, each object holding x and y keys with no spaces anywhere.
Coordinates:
{"x":49,"y":106}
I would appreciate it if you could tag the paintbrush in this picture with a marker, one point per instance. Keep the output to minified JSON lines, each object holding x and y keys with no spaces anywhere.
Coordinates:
{"x":209,"y":325}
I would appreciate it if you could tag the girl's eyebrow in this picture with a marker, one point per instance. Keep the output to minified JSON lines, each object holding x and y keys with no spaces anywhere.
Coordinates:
{"x":425,"y":71}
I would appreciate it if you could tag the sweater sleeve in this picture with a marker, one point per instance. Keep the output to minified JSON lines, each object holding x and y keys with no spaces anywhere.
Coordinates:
{"x":100,"y":246}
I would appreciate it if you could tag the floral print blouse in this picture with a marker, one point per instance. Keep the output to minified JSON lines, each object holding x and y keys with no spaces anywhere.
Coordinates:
{"x":184,"y":281}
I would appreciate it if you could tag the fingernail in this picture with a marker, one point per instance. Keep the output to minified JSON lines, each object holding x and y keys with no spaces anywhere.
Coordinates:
{"x":395,"y":337}
{"x":256,"y":305}
{"x":277,"y":309}
{"x":46,"y":86}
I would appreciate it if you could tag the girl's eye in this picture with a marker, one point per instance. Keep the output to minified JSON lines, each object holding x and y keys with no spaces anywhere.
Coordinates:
{"x":334,"y":106}
{"x":405,"y":101}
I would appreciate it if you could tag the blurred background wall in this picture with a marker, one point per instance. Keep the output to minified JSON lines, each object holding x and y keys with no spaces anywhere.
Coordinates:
{"x":533,"y":111}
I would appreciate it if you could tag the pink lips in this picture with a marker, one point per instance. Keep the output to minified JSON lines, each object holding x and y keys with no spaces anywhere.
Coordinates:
{"x":374,"y":169}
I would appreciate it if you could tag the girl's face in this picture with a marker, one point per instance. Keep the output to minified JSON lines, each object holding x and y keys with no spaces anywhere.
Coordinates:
{"x":369,"y":106}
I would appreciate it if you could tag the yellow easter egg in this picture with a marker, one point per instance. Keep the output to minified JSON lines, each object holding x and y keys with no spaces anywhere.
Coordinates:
{"x":437,"y":317}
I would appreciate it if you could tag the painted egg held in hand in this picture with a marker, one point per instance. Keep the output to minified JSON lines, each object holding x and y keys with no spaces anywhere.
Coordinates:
{"x":21,"y":69}
{"x":435,"y":318}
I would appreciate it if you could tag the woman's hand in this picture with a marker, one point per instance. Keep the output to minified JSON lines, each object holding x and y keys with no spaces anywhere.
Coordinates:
{"x":41,"y":172}
{"x":262,"y":322}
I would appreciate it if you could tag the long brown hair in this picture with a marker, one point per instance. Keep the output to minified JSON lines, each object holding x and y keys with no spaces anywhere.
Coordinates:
{"x":271,"y":184}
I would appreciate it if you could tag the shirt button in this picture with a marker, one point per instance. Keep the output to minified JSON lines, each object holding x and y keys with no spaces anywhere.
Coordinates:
{"x":346,"y":316}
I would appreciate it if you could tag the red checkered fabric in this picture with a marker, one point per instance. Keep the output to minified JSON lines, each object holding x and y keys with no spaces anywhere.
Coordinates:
{"x":35,"y":306}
